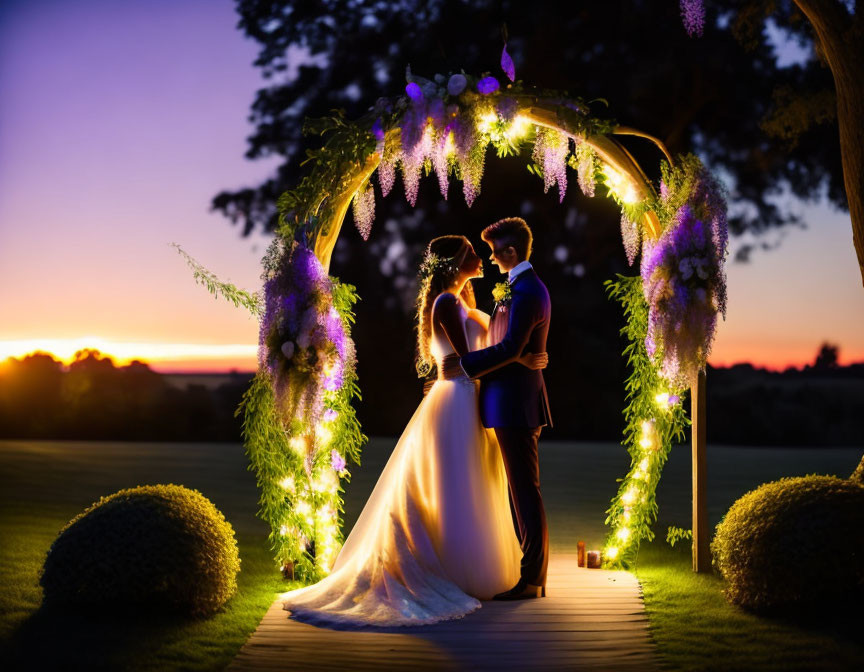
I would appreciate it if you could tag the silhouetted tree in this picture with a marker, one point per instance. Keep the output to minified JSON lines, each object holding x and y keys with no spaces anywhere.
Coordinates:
{"x":827,"y":356}
{"x":30,"y":395}
{"x":710,"y":95}
{"x":707,"y":94}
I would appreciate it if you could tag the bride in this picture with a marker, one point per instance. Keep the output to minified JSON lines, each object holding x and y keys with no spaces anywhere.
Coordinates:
{"x":436,"y":535}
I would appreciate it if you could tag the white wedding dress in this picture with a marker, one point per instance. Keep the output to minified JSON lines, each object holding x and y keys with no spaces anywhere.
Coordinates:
{"x":436,"y":535}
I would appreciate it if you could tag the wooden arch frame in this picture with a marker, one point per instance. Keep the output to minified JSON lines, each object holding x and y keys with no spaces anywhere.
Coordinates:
{"x":550,"y":113}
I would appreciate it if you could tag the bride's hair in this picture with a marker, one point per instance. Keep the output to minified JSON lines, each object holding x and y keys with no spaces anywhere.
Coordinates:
{"x":441,"y":263}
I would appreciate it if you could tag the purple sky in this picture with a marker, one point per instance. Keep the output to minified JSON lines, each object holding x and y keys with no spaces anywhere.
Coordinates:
{"x":120,"y":120}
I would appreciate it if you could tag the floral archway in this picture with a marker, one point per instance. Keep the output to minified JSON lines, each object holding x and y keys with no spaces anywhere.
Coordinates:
{"x":299,"y":426}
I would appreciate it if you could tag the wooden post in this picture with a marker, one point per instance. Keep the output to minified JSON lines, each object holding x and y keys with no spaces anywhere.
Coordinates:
{"x":698,"y":414}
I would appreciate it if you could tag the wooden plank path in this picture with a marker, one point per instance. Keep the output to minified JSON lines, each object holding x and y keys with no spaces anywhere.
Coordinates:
{"x":592,"y":619}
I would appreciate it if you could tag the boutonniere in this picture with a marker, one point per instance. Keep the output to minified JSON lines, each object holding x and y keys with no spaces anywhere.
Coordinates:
{"x":502,"y":293}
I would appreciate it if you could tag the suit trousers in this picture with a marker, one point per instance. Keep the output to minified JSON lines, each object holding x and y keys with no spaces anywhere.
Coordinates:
{"x":519,"y":451}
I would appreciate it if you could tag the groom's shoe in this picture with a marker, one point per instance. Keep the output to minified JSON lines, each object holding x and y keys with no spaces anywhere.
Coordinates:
{"x":522,"y":591}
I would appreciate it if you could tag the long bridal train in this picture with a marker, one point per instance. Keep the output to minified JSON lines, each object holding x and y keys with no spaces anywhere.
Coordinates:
{"x":436,"y":535}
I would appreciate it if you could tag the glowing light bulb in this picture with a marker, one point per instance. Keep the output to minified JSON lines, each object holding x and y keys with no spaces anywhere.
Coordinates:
{"x":323,"y":434}
{"x":298,"y":445}
{"x":628,"y":496}
{"x":647,"y":431}
{"x":620,"y":185}
{"x":449,"y":145}
{"x":623,"y":534}
{"x":643,"y":465}
{"x":484,"y":123}
{"x":662,"y":399}
{"x":518,"y":128}
{"x":304,"y":508}
{"x":288,"y":483}
{"x":612,"y":552}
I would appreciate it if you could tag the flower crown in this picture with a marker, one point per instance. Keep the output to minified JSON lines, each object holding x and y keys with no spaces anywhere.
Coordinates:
{"x":433,"y":263}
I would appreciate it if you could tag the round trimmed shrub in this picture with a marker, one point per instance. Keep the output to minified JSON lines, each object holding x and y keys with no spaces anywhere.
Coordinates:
{"x":162,"y":546}
{"x":792,"y":544}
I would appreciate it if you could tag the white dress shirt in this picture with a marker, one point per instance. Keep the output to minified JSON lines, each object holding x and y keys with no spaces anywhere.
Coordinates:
{"x":517,"y":269}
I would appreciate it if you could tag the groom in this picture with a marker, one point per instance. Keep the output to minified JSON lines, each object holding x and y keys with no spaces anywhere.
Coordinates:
{"x":513,"y":397}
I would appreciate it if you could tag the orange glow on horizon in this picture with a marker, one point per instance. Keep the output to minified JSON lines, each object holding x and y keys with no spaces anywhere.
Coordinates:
{"x":161,"y":357}
{"x":223,"y":358}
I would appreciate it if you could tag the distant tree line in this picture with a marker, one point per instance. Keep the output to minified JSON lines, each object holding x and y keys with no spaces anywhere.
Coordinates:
{"x":93,"y":399}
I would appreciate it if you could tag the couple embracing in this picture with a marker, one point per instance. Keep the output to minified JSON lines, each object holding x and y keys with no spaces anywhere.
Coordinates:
{"x":456,"y":516}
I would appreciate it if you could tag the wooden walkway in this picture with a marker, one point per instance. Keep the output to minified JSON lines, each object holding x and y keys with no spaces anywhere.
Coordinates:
{"x":592,"y":619}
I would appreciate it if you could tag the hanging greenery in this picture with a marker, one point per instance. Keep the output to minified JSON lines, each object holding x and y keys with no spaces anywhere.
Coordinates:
{"x":653,"y":419}
{"x":299,"y":425}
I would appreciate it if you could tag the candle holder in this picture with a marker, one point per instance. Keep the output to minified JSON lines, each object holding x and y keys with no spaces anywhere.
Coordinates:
{"x":595,"y":559}
{"x":580,"y":553}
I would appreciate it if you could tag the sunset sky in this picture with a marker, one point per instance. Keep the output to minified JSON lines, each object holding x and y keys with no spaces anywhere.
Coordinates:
{"x":118,"y":123}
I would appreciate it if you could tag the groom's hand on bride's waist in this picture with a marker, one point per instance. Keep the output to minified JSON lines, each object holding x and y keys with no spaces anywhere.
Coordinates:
{"x":451,"y":368}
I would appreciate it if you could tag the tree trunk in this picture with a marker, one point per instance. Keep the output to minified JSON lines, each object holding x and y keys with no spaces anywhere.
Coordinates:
{"x":840,"y":37}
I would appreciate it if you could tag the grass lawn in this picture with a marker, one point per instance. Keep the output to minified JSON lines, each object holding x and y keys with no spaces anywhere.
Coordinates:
{"x":695,"y":629}
{"x":44,"y":484}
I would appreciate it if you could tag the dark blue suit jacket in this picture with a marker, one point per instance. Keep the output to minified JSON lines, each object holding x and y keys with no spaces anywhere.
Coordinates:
{"x":512,"y":395}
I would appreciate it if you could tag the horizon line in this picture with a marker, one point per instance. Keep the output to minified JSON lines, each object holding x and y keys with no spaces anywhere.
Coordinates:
{"x":226,"y":359}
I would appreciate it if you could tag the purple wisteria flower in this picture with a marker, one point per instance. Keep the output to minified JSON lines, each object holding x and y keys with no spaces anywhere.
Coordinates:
{"x":550,"y":153}
{"x":680,"y":271}
{"x":337,"y":461}
{"x":330,"y":415}
{"x":693,"y":16}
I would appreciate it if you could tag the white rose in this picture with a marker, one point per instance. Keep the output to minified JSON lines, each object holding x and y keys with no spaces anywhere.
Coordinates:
{"x":456,"y":85}
{"x":288,"y":349}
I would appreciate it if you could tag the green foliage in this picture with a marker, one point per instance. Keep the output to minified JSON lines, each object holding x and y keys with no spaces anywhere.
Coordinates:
{"x":795,"y":543}
{"x":697,"y":630}
{"x":309,"y":206}
{"x":668,"y":422}
{"x":163,"y":546}
{"x":268,"y":445}
{"x":682,"y":183}
{"x":239,"y":297}
{"x":676,"y":534}
{"x":270,"y":457}
{"x":347,"y":433}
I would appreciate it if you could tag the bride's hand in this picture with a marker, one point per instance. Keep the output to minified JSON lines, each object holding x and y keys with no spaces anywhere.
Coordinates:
{"x":536,"y":361}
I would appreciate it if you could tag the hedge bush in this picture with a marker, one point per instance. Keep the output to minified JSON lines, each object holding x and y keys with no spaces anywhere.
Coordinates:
{"x":793,"y":544}
{"x":161,"y":546}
